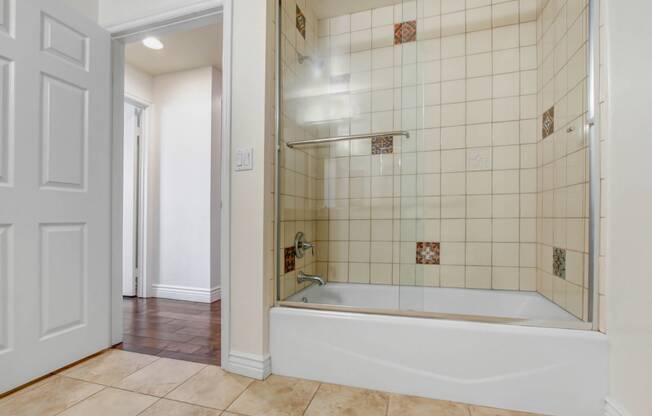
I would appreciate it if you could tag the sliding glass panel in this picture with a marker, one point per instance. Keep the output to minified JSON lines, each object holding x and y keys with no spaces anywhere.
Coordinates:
{"x":408,"y":116}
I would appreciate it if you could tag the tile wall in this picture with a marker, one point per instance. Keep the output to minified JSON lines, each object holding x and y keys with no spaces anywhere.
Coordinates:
{"x":562,"y":155}
{"x":300,"y":169}
{"x":463,"y":80}
{"x":484,"y":194}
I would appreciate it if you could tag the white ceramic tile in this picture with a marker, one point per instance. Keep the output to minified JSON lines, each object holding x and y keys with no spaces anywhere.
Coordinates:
{"x":382,"y":36}
{"x":478,"y":19}
{"x":360,"y":40}
{"x":506,"y":13}
{"x":478,"y":42}
{"x":383,"y":16}
{"x":361,"y":20}
{"x":479,"y":65}
{"x":453,"y":23}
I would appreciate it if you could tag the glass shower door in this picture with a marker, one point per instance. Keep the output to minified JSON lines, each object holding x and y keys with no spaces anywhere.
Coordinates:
{"x":413,"y":252}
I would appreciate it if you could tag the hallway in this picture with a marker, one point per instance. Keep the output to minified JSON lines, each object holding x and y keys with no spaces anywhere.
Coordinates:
{"x":181,"y":330}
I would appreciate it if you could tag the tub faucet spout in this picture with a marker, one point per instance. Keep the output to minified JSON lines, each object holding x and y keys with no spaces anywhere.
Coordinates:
{"x":302,"y":277}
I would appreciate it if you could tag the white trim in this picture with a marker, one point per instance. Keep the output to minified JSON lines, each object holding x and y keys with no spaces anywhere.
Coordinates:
{"x":117,"y":108}
{"x":156,"y":21}
{"x":613,"y":408}
{"x":192,"y":294}
{"x":250,"y":365}
{"x":225,"y":221}
{"x":138,"y":101}
{"x":143,"y":166}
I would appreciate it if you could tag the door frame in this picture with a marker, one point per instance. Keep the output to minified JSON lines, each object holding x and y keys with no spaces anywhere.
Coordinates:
{"x":140,"y":244}
{"x":185,"y":17}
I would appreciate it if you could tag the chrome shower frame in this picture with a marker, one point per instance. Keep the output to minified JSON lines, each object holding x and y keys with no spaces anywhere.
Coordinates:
{"x":591,"y":131}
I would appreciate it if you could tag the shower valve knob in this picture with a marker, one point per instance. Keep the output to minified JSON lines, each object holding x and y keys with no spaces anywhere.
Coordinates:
{"x":301,"y":245}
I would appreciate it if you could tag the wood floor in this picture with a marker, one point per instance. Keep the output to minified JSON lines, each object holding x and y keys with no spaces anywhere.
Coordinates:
{"x":174,"y":329}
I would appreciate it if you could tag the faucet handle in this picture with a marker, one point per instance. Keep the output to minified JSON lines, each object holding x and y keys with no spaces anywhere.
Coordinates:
{"x":310,"y":246}
{"x":301,"y":245}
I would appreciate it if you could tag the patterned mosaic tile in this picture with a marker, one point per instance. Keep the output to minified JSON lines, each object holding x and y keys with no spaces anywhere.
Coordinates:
{"x":427,"y":252}
{"x":382,"y":145}
{"x":559,"y":262}
{"x":405,"y":32}
{"x":290,"y":258}
{"x":301,"y":22}
{"x":548,"y":122}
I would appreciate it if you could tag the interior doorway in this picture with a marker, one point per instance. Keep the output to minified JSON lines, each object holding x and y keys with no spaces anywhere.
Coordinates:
{"x":171,"y":192}
{"x":132,"y":199}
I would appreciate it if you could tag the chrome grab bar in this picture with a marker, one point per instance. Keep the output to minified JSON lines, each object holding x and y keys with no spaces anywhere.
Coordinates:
{"x":295,"y":143}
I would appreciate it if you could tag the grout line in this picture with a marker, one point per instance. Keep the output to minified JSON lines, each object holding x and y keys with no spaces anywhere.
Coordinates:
{"x":389,"y":398}
{"x":312,"y":398}
{"x":81,"y":401}
{"x":150,"y":406}
{"x":251,"y":383}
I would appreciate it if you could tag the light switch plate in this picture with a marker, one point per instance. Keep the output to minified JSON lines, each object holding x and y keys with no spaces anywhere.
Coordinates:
{"x":244,"y":159}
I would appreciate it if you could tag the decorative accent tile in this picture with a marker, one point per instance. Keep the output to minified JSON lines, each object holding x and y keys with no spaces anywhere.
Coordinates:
{"x":427,"y":253}
{"x":549,"y":122}
{"x":405,"y":32}
{"x":559,"y":262}
{"x":382,"y":144}
{"x":290,"y":258}
{"x":301,"y":22}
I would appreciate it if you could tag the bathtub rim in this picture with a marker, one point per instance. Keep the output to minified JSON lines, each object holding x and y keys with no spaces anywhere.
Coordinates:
{"x":572,"y":325}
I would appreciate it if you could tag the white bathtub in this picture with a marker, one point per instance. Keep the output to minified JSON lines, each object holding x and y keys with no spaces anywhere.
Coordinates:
{"x":542,"y":370}
{"x":494,"y":303}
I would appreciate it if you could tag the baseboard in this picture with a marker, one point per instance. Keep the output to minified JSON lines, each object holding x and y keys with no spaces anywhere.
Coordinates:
{"x":216,"y":294}
{"x":249,"y":365}
{"x":192,"y":294}
{"x":613,"y":408}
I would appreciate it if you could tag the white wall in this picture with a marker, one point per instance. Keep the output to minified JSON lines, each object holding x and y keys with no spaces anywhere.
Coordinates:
{"x":182,"y":130}
{"x":114,"y":13}
{"x":139,"y":85}
{"x":629,"y":237}
{"x":89,"y":8}
{"x":251,"y":237}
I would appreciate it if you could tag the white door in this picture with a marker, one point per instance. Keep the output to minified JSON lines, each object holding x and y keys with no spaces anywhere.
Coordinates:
{"x":54,"y":189}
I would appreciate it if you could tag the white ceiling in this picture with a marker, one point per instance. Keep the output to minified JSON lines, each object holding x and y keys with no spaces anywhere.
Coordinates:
{"x":332,"y":8}
{"x":189,"y":49}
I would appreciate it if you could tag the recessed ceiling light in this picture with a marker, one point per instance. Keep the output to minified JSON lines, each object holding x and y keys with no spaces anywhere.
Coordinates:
{"x":153,"y":43}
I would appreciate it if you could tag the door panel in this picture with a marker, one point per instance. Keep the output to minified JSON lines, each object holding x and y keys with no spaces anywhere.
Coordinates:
{"x":6,"y":17}
{"x":54,"y":189}
{"x":63,"y":278}
{"x":6,"y":91}
{"x":64,"y":119}
{"x":65,"y":42}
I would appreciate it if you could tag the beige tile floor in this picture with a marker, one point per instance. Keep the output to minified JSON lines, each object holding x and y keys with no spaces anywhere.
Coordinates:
{"x":120,"y":383}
